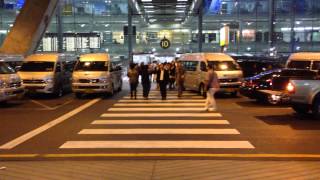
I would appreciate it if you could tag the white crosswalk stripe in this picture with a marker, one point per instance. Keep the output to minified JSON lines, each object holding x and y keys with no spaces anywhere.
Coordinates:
{"x":145,"y":122}
{"x":158,"y":121}
{"x":147,"y":109}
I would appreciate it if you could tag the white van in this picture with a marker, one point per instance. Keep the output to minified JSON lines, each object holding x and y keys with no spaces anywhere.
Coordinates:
{"x":304,"y":60}
{"x":48,"y":73}
{"x":97,"y":73}
{"x":10,"y":83}
{"x":228,"y":70}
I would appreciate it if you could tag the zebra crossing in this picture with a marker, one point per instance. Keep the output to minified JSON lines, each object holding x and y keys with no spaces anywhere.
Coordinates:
{"x":159,"y":125}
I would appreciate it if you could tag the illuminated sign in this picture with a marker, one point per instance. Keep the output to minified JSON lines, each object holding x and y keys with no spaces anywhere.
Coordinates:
{"x":165,"y":43}
{"x":224,"y":36}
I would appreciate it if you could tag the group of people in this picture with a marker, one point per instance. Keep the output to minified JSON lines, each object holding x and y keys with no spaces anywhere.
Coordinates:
{"x":169,"y":75}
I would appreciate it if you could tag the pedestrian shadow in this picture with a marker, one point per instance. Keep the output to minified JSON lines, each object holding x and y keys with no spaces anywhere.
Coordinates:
{"x":257,"y":104}
{"x":295,"y":121}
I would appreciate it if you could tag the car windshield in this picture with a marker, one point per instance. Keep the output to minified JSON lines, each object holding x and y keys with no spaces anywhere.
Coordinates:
{"x":37,"y":66}
{"x":299,"y":64}
{"x":92,"y":66}
{"x":298,"y":73}
{"x":224,"y":65}
{"x":6,"y":69}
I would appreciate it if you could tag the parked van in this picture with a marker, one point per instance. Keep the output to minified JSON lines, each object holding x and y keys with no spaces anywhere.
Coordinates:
{"x":48,"y":73}
{"x":228,"y":70}
{"x":97,"y":73}
{"x":304,"y":60}
{"x":10,"y":83}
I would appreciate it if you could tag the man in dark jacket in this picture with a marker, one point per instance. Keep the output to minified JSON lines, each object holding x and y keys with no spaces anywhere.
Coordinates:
{"x":163,"y":80}
{"x":145,"y":73}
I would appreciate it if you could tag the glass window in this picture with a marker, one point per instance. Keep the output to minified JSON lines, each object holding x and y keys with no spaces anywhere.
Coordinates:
{"x":6,"y":69}
{"x":225,"y":65}
{"x":92,"y":66}
{"x":37,"y":66}
{"x":299,"y":64}
{"x":190,"y":65}
{"x":316,"y":65}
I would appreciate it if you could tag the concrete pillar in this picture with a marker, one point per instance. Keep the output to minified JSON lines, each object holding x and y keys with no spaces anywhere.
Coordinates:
{"x":59,"y":28}
{"x":29,"y":27}
{"x":130,"y":32}
{"x":200,"y":26}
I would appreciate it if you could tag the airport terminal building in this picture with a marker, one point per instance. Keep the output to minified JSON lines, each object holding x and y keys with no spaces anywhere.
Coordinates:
{"x":257,"y":27}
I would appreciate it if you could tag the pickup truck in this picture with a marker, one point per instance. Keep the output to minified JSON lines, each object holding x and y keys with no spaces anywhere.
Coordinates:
{"x":305,"y":96}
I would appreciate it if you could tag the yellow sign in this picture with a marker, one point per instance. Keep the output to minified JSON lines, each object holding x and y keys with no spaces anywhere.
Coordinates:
{"x":224,"y":36}
{"x":165,"y":43}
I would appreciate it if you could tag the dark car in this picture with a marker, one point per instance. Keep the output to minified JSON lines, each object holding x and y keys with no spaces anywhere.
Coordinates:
{"x":271,"y":86}
{"x":251,"y":85}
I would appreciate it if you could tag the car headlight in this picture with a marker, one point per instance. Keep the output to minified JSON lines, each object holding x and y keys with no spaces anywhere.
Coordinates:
{"x":48,"y":80}
{"x":103,"y":80}
{"x":3,"y":84}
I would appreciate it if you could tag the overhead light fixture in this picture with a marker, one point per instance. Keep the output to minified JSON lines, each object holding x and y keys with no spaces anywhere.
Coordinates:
{"x":146,"y":0}
{"x":181,"y":6}
{"x":179,"y":11}
{"x":150,"y":11}
{"x":182,"y":0}
{"x":148,"y":6}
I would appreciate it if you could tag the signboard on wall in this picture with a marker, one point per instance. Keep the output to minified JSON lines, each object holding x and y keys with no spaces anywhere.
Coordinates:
{"x":224,"y":36}
{"x":165,"y":43}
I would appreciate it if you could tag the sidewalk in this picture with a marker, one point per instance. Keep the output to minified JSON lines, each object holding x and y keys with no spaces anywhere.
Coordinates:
{"x":158,"y":170}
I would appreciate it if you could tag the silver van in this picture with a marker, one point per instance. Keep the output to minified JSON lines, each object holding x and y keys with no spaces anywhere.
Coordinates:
{"x":10,"y":83}
{"x":228,"y":70}
{"x":48,"y":73}
{"x":96,"y":73}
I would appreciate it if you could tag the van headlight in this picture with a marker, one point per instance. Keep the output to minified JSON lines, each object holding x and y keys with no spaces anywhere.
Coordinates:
{"x":3,"y":85}
{"x":48,"y":80}
{"x":103,"y":80}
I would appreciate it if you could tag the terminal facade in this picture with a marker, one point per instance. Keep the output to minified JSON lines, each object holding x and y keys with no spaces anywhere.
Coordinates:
{"x":257,"y":27}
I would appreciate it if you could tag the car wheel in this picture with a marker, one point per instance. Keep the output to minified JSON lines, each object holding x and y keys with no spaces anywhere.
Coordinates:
{"x":234,"y":94}
{"x":316,"y":108}
{"x":300,"y":109}
{"x":271,"y":101}
{"x":201,"y":91}
{"x":79,"y":95}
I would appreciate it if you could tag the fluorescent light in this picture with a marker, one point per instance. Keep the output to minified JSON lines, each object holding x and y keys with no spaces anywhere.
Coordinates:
{"x":179,"y":11}
{"x":148,"y":6}
{"x":150,"y":11}
{"x":146,"y":0}
{"x":181,"y":6}
{"x":182,"y":0}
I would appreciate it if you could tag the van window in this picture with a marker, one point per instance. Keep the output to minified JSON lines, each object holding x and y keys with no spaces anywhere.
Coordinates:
{"x":225,"y":65}
{"x":299,"y":64}
{"x":6,"y":69}
{"x":92,"y":66}
{"x":190,"y":65}
{"x":316,"y":65}
{"x":37,"y":66}
{"x":203,"y":66}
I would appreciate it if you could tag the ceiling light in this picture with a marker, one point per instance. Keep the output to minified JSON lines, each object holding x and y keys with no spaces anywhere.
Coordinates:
{"x":179,"y":11}
{"x":146,"y":0}
{"x":182,"y":0}
{"x":181,"y":6}
{"x":150,"y":11}
{"x":148,"y":6}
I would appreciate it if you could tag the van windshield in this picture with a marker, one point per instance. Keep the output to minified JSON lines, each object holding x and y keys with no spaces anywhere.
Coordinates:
{"x":6,"y":69}
{"x":37,"y":66}
{"x":92,"y":66}
{"x":299,"y":64}
{"x":225,"y":65}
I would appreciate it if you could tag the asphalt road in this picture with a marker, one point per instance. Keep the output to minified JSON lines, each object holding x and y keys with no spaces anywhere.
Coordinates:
{"x":117,"y":127}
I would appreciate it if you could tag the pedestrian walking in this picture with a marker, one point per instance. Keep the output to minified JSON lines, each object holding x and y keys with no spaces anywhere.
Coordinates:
{"x":180,"y":78}
{"x":212,"y":86}
{"x":145,"y":72}
{"x":163,"y":80}
{"x":133,"y":75}
{"x":172,"y":74}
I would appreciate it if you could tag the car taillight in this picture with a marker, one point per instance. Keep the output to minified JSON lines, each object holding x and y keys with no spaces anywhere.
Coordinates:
{"x":290,"y":88}
{"x":269,"y":81}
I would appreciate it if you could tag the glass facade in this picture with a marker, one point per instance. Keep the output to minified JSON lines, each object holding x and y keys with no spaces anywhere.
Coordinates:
{"x":239,"y":26}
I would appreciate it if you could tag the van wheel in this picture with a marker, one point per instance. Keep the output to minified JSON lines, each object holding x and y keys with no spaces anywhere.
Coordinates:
{"x":316,"y":108}
{"x":300,"y":109}
{"x":234,"y":94}
{"x":79,"y":95}
{"x":201,"y":90}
